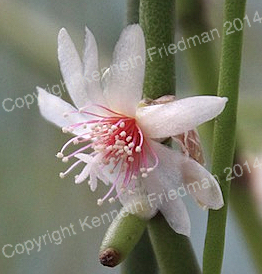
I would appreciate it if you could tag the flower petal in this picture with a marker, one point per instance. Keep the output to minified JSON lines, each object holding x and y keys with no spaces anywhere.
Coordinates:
{"x":177,"y":216}
{"x":164,"y":184}
{"x":135,"y":200}
{"x":91,"y":72}
{"x":53,"y":109}
{"x":91,"y":169}
{"x":124,"y":88}
{"x":83,"y":174}
{"x":202,"y":185}
{"x":177,"y":117}
{"x":72,"y":69}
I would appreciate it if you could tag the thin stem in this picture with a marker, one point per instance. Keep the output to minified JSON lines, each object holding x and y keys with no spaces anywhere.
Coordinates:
{"x":28,"y":35}
{"x":132,"y":14}
{"x":245,"y":209}
{"x":157,"y":18}
{"x":121,"y":237}
{"x":173,"y":252}
{"x":224,"y":134}
{"x":141,"y":259}
{"x":202,"y":59}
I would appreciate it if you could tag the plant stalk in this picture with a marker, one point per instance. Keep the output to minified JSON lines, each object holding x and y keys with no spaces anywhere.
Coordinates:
{"x":173,"y":252}
{"x":224,"y":133}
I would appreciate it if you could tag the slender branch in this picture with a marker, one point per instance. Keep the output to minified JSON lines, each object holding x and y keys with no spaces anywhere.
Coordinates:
{"x":142,"y":258}
{"x":157,"y":19}
{"x":27,"y":34}
{"x":132,"y":14}
{"x":202,"y":59}
{"x":121,"y":237}
{"x":224,"y":134}
{"x":174,"y":252}
{"x":245,"y":209}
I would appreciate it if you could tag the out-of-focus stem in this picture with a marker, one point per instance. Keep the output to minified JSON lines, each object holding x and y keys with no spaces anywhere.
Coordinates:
{"x":132,"y":13}
{"x":30,"y":35}
{"x":202,"y":57}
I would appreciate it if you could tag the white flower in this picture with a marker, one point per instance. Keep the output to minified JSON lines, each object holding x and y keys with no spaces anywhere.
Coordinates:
{"x":116,"y":137}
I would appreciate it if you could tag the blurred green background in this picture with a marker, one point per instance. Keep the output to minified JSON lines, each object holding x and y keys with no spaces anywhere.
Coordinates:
{"x":33,"y":199}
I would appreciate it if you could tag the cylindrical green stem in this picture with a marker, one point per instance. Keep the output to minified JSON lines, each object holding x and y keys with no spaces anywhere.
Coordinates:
{"x":157,"y":18}
{"x":132,"y":13}
{"x":121,"y":237}
{"x":243,"y":204}
{"x":141,"y":259}
{"x":174,"y":251}
{"x":202,"y":58}
{"x":224,"y":133}
{"x":27,"y":35}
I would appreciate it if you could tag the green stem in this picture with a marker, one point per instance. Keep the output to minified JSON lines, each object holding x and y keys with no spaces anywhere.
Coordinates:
{"x":157,"y":18}
{"x":27,"y":34}
{"x":141,"y":259}
{"x":132,"y":14}
{"x":202,"y":59}
{"x":121,"y":237}
{"x":174,"y":251}
{"x":224,"y":134}
{"x":245,"y":209}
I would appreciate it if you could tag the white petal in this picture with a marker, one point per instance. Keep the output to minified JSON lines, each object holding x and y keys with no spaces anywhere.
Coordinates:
{"x":135,"y":200}
{"x":124,"y":89}
{"x":83,"y":175}
{"x":53,"y":109}
{"x":177,"y":117}
{"x":177,"y":216}
{"x":86,"y":158}
{"x":162,"y":183}
{"x":93,"y":180}
{"x":91,"y":70}
{"x":93,"y":170}
{"x":72,"y":69}
{"x":202,"y":185}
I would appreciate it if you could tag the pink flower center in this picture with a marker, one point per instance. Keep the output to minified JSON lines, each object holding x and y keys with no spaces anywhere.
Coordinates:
{"x":121,"y":144}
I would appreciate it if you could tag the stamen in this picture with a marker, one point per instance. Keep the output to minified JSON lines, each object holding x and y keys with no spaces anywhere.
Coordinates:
{"x":65,"y":160}
{"x":122,"y":124}
{"x":61,"y":175}
{"x":111,"y":200}
{"x":129,"y":138}
{"x":99,"y":202}
{"x":144,"y":175}
{"x":59,"y":155}
{"x":138,"y":149}
{"x":116,"y":140}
